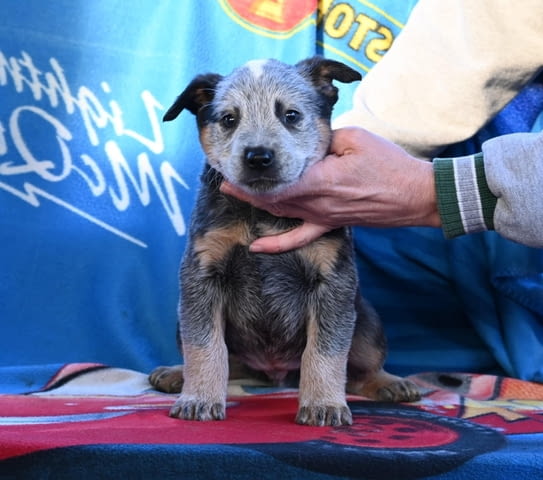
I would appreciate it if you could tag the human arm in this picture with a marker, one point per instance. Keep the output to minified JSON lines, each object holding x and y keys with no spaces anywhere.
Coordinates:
{"x":451,"y":69}
{"x":500,"y":189}
{"x":369,"y":181}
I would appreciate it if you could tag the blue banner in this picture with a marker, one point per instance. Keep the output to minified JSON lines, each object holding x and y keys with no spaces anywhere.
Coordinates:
{"x":95,"y":192}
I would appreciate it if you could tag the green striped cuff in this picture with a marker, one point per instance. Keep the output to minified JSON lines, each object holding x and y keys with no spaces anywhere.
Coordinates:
{"x":465,"y":203}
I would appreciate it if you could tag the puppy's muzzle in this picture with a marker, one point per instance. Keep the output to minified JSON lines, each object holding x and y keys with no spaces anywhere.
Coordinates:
{"x":259,"y":159}
{"x":260,"y":170}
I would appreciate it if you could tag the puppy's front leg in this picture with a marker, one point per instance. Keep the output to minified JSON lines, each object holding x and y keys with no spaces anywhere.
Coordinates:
{"x":205,"y":371}
{"x":322,"y":381}
{"x":204,"y":392}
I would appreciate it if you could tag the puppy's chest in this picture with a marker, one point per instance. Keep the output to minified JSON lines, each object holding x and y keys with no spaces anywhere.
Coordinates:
{"x":263,"y":296}
{"x":223,"y":253}
{"x":266,"y":299}
{"x":270,"y":285}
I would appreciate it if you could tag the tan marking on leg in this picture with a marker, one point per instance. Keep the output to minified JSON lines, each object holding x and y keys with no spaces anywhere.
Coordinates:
{"x":205,"y":372}
{"x":212,"y":247}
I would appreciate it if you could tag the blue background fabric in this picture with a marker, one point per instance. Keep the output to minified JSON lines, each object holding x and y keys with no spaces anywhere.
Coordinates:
{"x":96,"y":193}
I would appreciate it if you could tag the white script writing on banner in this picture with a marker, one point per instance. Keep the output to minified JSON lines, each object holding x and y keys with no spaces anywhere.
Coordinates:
{"x":54,"y":103}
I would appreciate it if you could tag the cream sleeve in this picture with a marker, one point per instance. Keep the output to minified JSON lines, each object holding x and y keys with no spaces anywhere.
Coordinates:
{"x":452,"y":68}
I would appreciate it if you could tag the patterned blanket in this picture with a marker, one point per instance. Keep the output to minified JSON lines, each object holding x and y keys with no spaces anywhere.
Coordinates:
{"x":95,"y":199}
{"x":90,"y":421}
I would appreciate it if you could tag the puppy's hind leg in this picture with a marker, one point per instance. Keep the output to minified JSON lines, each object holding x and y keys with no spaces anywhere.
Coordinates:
{"x":366,"y":375}
{"x":167,"y":379}
{"x":170,"y":379}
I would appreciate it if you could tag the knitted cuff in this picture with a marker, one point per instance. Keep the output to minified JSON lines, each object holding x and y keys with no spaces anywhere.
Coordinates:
{"x":465,"y":203}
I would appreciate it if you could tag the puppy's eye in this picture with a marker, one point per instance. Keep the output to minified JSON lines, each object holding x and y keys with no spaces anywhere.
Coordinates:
{"x":229,"y":121}
{"x":292,"y":117}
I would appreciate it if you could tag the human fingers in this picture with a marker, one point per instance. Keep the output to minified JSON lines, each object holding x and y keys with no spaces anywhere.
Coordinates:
{"x":291,"y":240}
{"x":348,"y":140}
{"x":229,"y":189}
{"x":291,"y":202}
{"x":264,"y":202}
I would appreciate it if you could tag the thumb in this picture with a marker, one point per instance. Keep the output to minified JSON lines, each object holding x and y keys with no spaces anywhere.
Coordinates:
{"x":283,"y":242}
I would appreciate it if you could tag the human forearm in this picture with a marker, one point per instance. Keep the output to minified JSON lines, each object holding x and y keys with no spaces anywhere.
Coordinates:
{"x":369,"y":181}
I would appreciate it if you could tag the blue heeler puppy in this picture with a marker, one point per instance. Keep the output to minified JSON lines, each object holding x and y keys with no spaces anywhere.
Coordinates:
{"x":261,"y":127}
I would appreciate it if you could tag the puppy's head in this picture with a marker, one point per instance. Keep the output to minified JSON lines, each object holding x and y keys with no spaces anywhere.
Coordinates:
{"x":266,"y":122}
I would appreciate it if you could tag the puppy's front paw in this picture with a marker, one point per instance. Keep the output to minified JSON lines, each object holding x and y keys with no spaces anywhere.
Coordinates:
{"x":188,"y":407}
{"x":321,"y":415}
{"x":402,"y":390}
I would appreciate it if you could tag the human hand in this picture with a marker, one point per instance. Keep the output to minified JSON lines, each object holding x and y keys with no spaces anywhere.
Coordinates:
{"x":365,"y":180}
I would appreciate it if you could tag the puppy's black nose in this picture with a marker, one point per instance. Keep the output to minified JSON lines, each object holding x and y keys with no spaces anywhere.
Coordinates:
{"x":259,"y":158}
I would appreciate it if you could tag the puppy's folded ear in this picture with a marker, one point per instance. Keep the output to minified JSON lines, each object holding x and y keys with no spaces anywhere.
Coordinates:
{"x":198,"y":94}
{"x":322,"y":71}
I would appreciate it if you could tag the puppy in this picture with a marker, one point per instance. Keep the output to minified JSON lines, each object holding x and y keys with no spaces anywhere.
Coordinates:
{"x":261,"y":127}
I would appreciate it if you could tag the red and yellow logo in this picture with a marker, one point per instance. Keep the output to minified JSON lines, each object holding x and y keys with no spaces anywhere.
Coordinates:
{"x":272,"y":18}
